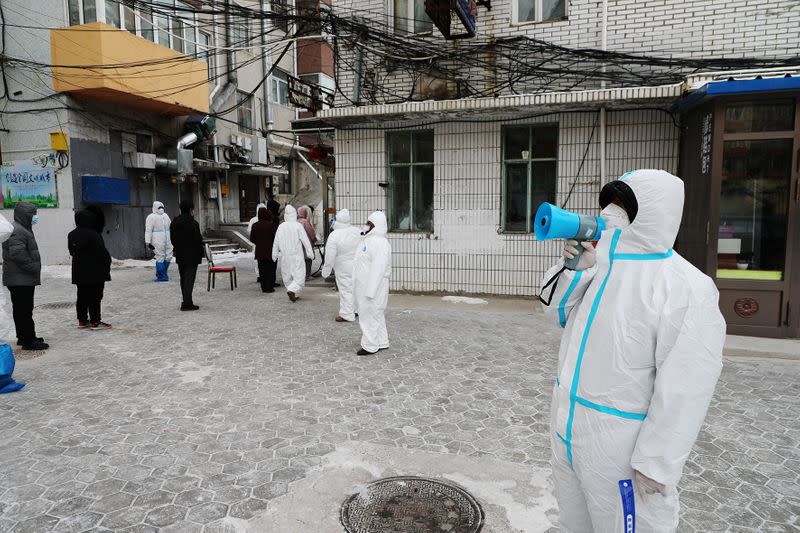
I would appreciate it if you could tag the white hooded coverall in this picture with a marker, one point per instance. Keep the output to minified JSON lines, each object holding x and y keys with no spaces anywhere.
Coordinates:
{"x":340,"y":251}
{"x":639,"y":359}
{"x":250,"y":229}
{"x":292,"y":247}
{"x":6,"y":229}
{"x":371,"y":273}
{"x":156,"y":232}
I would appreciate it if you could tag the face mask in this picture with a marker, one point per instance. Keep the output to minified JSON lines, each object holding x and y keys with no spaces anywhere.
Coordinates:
{"x":366,"y":229}
{"x":615,"y":216}
{"x":35,"y":219}
{"x":160,"y":210}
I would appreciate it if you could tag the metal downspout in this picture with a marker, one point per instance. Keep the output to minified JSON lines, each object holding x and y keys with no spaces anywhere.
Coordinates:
{"x":603,"y":46}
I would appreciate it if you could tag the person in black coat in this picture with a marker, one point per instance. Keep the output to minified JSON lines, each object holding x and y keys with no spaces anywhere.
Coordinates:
{"x":187,"y":244}
{"x":91,"y":268}
{"x":263,"y":236}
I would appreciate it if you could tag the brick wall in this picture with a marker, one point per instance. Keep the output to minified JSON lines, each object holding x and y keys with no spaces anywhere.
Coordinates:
{"x":467,"y":252}
{"x":698,"y":28}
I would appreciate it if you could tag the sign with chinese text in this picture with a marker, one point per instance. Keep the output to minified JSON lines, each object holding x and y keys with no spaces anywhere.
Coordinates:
{"x":31,"y":180}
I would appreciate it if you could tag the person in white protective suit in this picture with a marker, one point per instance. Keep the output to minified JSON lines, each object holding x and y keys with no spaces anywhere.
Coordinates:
{"x":371,"y":272}
{"x":250,"y":230}
{"x":292,"y":248}
{"x":340,"y":251}
{"x":157,"y":239}
{"x":640,"y":356}
{"x":6,"y":229}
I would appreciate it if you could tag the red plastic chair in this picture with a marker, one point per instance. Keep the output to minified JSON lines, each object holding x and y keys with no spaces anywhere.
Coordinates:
{"x":214,"y":270}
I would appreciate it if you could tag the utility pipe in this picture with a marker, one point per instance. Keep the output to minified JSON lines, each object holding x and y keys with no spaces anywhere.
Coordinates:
{"x":307,"y":162}
{"x":604,"y":47}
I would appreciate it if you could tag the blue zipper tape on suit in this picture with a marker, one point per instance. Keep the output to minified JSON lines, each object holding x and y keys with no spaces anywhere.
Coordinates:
{"x":610,"y":410}
{"x":573,"y":391}
{"x":562,"y":315}
{"x":628,"y":506}
{"x":643,"y":257}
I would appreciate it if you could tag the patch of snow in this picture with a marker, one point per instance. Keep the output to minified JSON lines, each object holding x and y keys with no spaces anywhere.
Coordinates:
{"x":464,"y":300}
{"x":192,"y":373}
{"x":537,"y":513}
{"x":230,"y":257}
{"x":57,"y":271}
{"x":132,"y":263}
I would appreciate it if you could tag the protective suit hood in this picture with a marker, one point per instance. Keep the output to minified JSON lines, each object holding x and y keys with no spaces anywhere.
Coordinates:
{"x":660,"y":198}
{"x":342,"y":219}
{"x":156,"y":206}
{"x":23,"y":214}
{"x":290,"y":214}
{"x":303,"y":212}
{"x":378,"y":219}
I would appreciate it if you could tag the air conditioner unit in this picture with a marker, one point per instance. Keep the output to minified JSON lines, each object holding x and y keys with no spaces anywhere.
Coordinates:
{"x":139,"y":160}
{"x":236,"y":140}
{"x":247,"y":143}
{"x":260,"y":155}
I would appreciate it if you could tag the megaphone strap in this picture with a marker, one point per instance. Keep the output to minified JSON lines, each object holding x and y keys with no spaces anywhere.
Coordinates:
{"x":554,"y":282}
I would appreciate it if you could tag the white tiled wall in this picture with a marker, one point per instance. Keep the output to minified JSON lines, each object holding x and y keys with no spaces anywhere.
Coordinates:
{"x":467,"y":252}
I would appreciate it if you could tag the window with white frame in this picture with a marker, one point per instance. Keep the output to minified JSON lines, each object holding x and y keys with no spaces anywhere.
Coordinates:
{"x":244,"y":113}
{"x":241,"y":32}
{"x":409,"y":17}
{"x":82,"y":11}
{"x":280,"y":87}
{"x":539,"y":10}
{"x":205,"y":53}
{"x":410,"y":157}
{"x":530,"y":163}
{"x":170,"y":23}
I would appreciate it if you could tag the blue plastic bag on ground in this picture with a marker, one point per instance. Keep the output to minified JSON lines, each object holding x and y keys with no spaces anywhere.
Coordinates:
{"x":7,"y":383}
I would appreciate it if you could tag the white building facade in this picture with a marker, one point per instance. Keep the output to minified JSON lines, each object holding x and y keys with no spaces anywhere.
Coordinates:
{"x":460,"y":176}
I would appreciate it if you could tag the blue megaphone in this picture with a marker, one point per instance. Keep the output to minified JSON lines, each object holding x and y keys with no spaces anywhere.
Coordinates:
{"x":552,"y":222}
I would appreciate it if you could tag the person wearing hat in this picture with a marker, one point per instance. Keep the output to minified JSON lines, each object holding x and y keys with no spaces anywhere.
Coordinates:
{"x":639,"y":359}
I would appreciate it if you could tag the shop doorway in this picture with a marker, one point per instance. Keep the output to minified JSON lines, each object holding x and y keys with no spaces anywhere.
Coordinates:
{"x":249,"y":197}
{"x":753,"y":253}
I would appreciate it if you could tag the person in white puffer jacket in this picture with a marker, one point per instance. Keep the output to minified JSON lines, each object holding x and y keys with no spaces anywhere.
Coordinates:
{"x":340,"y":251}
{"x":292,"y":248}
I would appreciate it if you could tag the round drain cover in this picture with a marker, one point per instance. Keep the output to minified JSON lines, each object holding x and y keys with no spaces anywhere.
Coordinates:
{"x":410,"y":504}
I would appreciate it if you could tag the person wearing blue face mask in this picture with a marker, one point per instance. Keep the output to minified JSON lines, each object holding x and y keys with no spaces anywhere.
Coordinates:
{"x":22,"y":268}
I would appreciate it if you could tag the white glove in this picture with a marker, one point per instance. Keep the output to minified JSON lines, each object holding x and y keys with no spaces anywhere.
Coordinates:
{"x":588,"y":257}
{"x":645,"y":486}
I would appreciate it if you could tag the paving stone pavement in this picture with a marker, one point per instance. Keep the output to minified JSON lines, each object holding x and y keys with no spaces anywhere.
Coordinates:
{"x":184,"y":421}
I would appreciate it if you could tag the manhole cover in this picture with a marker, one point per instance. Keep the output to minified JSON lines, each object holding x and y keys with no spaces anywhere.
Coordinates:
{"x":411,"y":505}
{"x":56,"y":305}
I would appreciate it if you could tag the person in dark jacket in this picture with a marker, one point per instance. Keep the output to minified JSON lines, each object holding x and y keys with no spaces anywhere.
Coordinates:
{"x":273,"y":206}
{"x":263,"y":236}
{"x":91,"y":268}
{"x":99,"y":217}
{"x":22,"y":269}
{"x":187,"y":244}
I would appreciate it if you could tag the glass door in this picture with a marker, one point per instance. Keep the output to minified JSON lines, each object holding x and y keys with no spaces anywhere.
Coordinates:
{"x":756,"y":178}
